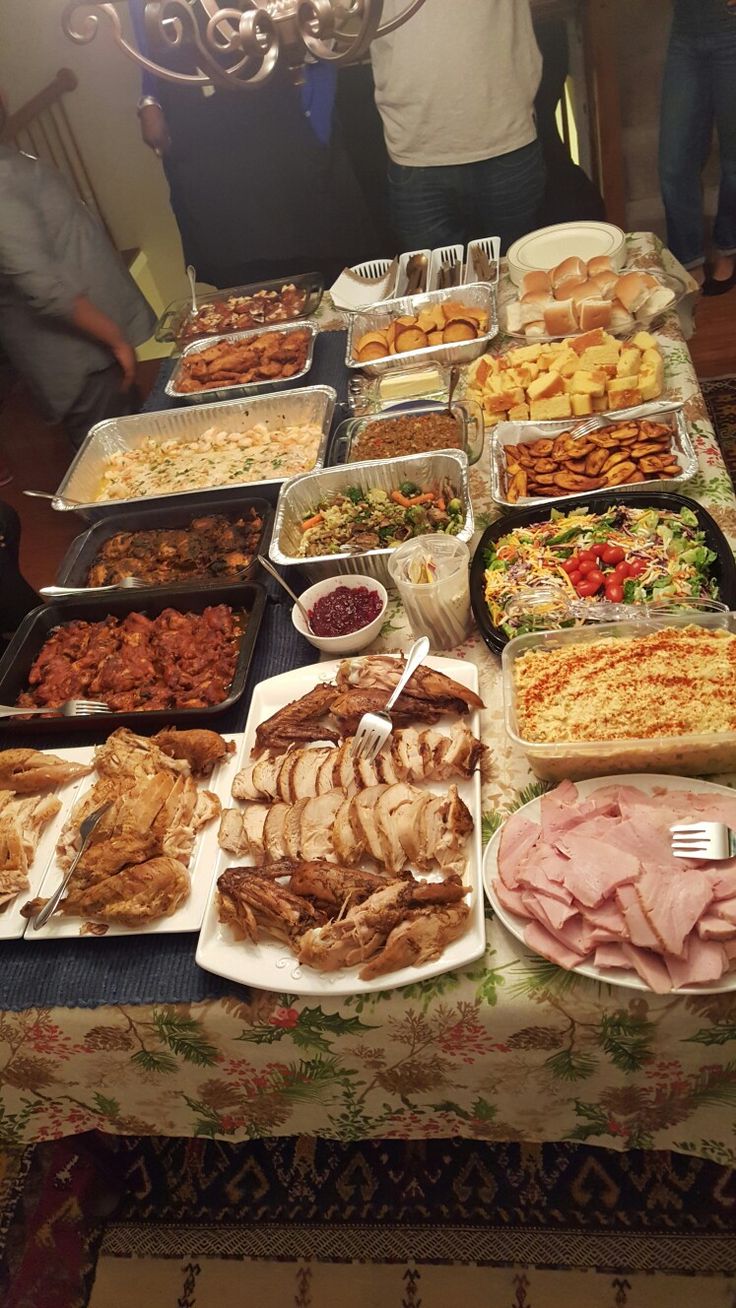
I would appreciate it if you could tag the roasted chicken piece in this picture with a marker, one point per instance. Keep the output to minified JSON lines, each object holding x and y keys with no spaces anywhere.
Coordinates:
{"x":421,"y":937}
{"x":201,"y":749}
{"x":363,"y":932}
{"x":381,"y":672}
{"x":22,"y":821}
{"x":298,"y":721}
{"x":250,"y":903}
{"x":131,"y":898}
{"x":410,"y":755}
{"x":30,"y":771}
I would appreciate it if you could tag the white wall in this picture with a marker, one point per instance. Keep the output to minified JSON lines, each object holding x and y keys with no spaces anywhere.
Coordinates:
{"x":127,"y":176}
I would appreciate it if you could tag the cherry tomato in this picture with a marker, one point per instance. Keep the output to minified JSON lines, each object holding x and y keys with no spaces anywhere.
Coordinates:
{"x":586,"y":587}
{"x":597,"y":550}
{"x":595,"y":575}
{"x":571,"y":565}
{"x":637,"y":567}
{"x":586,"y":555}
{"x":622,"y":571}
{"x":587,"y":565}
{"x":613,"y":554}
{"x":575,"y":576}
{"x":614,"y":592}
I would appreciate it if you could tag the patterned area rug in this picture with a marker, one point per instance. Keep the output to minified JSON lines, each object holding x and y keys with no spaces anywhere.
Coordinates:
{"x":720,"y":397}
{"x":316,"y":1224}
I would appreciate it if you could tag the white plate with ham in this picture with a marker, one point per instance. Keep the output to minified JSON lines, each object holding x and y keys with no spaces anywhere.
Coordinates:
{"x":584,"y":876}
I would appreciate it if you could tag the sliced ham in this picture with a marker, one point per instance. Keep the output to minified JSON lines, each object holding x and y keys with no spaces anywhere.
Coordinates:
{"x":597,"y":877}
{"x":702,"y":961}
{"x":595,"y":868}
{"x":544,"y":943}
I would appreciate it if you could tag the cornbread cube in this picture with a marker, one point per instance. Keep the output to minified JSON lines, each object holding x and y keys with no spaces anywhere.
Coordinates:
{"x":600,"y":403}
{"x":544,"y":386}
{"x":650,"y":384}
{"x":644,"y":341}
{"x":620,"y":384}
{"x":629,"y":363}
{"x":599,"y":355}
{"x":560,"y":406}
{"x":625,"y":399}
{"x":589,"y":383}
{"x":519,"y":413}
{"x":582,"y":405}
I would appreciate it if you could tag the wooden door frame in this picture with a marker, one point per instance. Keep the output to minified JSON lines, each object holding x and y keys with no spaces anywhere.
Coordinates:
{"x":600,"y":40}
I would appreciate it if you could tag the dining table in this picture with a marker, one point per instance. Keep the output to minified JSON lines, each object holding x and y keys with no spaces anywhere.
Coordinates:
{"x":129,"y":1036}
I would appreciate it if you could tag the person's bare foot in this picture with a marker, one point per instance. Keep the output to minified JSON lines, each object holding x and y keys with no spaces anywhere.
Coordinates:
{"x":698,"y":273}
{"x":723,"y":267}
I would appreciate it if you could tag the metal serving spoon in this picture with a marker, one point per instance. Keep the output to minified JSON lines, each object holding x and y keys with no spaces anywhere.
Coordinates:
{"x":192,"y":275}
{"x":44,"y":495}
{"x":454,"y":378}
{"x":85,"y":830}
{"x":266,"y":563}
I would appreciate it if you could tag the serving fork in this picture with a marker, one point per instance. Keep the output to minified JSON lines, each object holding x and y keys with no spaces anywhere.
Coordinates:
{"x":712,"y":841}
{"x":66,"y":592}
{"x":85,"y":830}
{"x":374,"y":729}
{"x":71,"y":708}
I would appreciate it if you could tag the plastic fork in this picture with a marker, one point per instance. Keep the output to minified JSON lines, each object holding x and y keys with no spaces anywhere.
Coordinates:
{"x":71,"y":708}
{"x":374,"y":729}
{"x":712,"y":841}
{"x":85,"y":830}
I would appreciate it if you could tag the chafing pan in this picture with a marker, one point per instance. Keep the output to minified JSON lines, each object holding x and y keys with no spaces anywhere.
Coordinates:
{"x":237,"y":390}
{"x":248,"y":599}
{"x":476,"y":296}
{"x":310,"y":404}
{"x":177,"y":316}
{"x":300,"y":495}
{"x":523,"y":433}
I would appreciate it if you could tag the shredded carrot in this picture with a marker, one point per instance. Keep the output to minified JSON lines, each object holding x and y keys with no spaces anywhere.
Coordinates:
{"x":312,"y":522}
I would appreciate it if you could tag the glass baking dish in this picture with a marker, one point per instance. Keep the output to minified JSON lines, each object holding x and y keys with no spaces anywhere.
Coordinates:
{"x":689,"y":755}
{"x":175,"y":323}
{"x":345,"y":444}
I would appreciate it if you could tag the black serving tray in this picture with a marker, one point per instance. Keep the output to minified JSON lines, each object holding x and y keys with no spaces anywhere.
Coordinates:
{"x":84,"y":548}
{"x":723,"y":568}
{"x":248,"y":598}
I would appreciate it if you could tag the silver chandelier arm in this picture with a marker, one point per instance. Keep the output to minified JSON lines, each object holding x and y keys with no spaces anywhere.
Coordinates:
{"x":316,"y":24}
{"x":411,"y":9}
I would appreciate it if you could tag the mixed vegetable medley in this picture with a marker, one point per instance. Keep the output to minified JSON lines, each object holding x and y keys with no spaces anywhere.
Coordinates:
{"x":358,"y":520}
{"x":625,"y":555}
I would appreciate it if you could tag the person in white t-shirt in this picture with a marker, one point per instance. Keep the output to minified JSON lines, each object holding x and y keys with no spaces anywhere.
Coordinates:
{"x":455,"y":89}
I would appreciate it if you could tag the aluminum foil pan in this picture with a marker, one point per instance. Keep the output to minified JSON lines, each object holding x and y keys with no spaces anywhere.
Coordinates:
{"x":524,"y":433}
{"x":239,"y":389}
{"x":476,"y":295}
{"x":300,"y":494}
{"x":311,"y":404}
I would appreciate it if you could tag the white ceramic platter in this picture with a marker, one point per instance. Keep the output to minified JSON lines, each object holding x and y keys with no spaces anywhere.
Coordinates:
{"x":188,"y":917}
{"x":548,"y":246}
{"x":269,"y":965}
{"x":610,"y":976}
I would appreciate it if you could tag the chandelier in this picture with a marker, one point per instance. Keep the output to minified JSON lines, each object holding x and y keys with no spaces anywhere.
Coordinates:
{"x":239,"y":46}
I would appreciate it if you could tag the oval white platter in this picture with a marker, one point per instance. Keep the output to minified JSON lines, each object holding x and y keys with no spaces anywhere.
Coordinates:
{"x":548,"y":246}
{"x":608,"y":976}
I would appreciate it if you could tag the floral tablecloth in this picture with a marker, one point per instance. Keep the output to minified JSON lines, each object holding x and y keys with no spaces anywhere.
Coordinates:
{"x":513,"y":1049}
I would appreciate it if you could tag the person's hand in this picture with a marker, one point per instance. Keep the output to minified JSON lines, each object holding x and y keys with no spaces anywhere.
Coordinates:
{"x":154,"y":129}
{"x":125,"y":357}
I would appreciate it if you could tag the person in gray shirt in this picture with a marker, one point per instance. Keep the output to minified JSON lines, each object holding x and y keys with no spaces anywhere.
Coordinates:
{"x":70,"y":313}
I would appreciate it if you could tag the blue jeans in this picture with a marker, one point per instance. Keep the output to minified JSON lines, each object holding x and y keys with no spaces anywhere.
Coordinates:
{"x":699,"y":90}
{"x":457,"y":203}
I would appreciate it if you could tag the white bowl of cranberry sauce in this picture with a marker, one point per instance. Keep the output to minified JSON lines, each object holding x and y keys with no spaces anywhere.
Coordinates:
{"x":346,"y":613}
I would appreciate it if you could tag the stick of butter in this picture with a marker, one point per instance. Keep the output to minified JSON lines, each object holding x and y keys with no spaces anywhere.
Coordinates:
{"x":411,"y":384}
